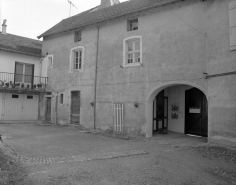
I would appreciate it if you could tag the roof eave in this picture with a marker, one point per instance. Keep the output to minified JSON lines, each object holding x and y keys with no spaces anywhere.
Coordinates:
{"x":20,"y":52}
{"x":116,"y":16}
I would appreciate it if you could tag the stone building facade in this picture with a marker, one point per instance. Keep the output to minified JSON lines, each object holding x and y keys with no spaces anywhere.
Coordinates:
{"x":110,"y":64}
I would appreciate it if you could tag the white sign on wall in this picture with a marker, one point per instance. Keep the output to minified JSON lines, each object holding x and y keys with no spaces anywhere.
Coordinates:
{"x":195,"y":110}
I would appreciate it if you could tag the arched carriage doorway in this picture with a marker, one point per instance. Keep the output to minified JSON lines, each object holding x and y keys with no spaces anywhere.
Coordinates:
{"x":178,"y":107}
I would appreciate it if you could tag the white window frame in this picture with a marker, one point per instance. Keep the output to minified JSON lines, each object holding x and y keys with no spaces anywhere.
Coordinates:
{"x":72,"y":51}
{"x":125,"y":52}
{"x":50,"y":56}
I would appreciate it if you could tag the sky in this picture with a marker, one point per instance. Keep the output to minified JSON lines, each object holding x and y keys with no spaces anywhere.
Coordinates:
{"x":30,"y":18}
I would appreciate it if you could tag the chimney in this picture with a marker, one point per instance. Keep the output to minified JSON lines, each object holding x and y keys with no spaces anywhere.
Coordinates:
{"x":106,"y":3}
{"x":4,"y":27}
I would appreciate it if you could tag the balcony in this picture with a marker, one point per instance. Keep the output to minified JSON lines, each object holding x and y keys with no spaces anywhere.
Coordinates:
{"x":11,"y":82}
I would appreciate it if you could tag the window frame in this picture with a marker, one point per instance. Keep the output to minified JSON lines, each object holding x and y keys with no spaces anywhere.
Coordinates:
{"x":129,"y":22}
{"x":72,"y":58}
{"x":50,"y":56}
{"x":126,"y":52}
{"x":24,"y":78}
{"x":78,"y":36}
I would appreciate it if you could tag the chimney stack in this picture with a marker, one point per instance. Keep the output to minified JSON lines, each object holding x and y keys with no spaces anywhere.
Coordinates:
{"x":106,"y":3}
{"x":4,"y":27}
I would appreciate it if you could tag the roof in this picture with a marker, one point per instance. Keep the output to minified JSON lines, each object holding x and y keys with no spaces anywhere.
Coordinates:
{"x":95,"y":15}
{"x":22,"y":45}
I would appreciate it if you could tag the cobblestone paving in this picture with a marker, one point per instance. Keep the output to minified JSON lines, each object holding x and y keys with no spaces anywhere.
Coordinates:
{"x":57,"y":160}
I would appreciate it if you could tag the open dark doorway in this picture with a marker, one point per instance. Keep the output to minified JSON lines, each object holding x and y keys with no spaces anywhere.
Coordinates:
{"x":196,"y":113}
{"x":160,"y":113}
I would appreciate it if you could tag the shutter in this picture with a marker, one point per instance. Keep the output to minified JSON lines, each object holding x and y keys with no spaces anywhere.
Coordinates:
{"x":118,"y":117}
{"x":232,"y":24}
{"x":19,"y":72}
{"x":28,"y":73}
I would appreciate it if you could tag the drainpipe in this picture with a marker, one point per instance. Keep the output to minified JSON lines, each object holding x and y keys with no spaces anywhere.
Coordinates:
{"x":95,"y":81}
{"x":56,"y":109}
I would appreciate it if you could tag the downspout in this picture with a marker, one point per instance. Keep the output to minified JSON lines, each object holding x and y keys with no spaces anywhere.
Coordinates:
{"x":56,"y":108}
{"x":95,"y":81}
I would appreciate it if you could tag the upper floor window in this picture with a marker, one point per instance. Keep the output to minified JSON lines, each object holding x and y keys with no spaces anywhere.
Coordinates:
{"x":77,"y":36}
{"x":76,"y":58}
{"x":132,"y":51}
{"x":132,"y":24}
{"x":24,"y":73}
{"x":50,"y":61}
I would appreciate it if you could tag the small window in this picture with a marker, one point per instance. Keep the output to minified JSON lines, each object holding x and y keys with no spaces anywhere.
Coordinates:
{"x":132,"y":24}
{"x":78,"y":36}
{"x":15,"y":96}
{"x":50,"y":61}
{"x":48,"y":93}
{"x":29,"y":97}
{"x":132,"y":51}
{"x":61,"y":99}
{"x":76,"y":59}
{"x":232,"y":25}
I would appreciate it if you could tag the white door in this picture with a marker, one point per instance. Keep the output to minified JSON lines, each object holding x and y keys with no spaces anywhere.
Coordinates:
{"x":20,"y":107}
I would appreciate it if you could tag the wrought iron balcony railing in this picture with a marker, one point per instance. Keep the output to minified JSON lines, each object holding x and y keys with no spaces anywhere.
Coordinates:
{"x":12,"y":80}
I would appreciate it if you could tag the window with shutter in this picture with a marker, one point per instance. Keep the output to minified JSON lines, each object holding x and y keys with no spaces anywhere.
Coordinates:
{"x":232,"y":24}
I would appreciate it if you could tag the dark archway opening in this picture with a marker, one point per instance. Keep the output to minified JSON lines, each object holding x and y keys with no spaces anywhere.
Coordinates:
{"x":180,"y":108}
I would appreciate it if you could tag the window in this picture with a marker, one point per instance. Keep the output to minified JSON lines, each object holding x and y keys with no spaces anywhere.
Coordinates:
{"x":61,"y":98}
{"x":50,"y":61}
{"x":232,"y":24}
{"x":24,"y":73}
{"x":30,"y":97}
{"x":15,"y":96}
{"x":132,"y":51}
{"x":132,"y":24}
{"x":76,"y":59}
{"x":78,"y":36}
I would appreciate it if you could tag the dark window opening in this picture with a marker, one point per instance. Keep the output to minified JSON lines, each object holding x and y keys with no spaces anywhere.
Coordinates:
{"x":132,"y":24}
{"x":29,"y":97}
{"x":15,"y":96}
{"x":77,"y":36}
{"x":61,"y":99}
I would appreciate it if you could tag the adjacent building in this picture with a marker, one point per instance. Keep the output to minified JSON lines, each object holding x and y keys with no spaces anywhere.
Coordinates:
{"x":22,"y":85}
{"x":146,"y":66}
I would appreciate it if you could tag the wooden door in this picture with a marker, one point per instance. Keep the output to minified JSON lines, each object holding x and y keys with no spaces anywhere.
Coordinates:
{"x":158,"y":112}
{"x":75,"y":107}
{"x":48,"y":109}
{"x":196,"y":113}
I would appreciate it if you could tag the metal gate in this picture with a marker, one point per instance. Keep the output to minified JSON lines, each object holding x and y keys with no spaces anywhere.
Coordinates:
{"x":118,"y":117}
{"x":20,"y":107}
{"x":75,"y":107}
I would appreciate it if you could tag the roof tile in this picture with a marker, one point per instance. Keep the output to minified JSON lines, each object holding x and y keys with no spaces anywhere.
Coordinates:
{"x":20,"y":44}
{"x":90,"y":17}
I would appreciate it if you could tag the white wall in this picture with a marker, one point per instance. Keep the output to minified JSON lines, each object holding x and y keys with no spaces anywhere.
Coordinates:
{"x":1,"y":103}
{"x":176,"y":95}
{"x":8,"y":59}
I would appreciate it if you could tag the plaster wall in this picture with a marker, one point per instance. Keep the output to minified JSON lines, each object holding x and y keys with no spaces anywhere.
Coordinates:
{"x":7,"y":62}
{"x":1,"y":104}
{"x":176,"y":95}
{"x":180,"y":42}
{"x":64,"y":81}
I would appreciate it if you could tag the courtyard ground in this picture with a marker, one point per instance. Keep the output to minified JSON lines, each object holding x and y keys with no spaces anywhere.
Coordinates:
{"x":66,"y":156}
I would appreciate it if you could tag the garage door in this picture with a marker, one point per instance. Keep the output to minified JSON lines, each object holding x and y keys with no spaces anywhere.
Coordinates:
{"x":20,"y":107}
